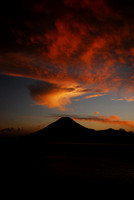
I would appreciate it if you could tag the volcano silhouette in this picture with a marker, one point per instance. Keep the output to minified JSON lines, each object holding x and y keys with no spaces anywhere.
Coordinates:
{"x":65,"y":129}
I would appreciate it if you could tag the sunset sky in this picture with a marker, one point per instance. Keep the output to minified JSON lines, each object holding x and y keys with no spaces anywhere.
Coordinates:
{"x":66,"y":58}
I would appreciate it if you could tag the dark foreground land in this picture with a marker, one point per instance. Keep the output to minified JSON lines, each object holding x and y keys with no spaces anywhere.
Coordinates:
{"x":67,"y":152}
{"x":94,"y":163}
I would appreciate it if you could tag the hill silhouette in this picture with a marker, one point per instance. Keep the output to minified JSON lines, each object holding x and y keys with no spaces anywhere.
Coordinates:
{"x":66,"y":129}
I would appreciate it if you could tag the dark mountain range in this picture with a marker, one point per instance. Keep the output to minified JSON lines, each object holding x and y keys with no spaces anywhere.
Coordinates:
{"x":67,"y":130}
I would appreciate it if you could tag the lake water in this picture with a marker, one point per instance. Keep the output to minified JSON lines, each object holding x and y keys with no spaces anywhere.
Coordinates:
{"x":104,"y":163}
{"x":95,"y":163}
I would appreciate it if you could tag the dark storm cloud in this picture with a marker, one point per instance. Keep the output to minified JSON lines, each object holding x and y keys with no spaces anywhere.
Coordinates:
{"x":79,"y":42}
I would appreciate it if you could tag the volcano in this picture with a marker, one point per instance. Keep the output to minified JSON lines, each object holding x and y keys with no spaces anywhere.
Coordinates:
{"x":65,"y":129}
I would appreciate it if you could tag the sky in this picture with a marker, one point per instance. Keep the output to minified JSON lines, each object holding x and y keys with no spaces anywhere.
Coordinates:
{"x":66,"y":58}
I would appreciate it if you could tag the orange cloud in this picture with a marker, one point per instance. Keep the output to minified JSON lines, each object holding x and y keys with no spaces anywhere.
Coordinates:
{"x":115,"y":120}
{"x":54,"y":96}
{"x":96,"y":113}
{"x":77,"y":42}
{"x":94,"y":95}
{"x":128,"y":99}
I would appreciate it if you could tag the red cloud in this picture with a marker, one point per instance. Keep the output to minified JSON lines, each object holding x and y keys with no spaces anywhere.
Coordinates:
{"x":98,"y":7}
{"x":78,"y":42}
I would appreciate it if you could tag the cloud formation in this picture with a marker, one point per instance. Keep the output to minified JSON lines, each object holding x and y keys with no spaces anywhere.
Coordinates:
{"x":54,"y":96}
{"x":113,"y":119}
{"x":96,"y":113}
{"x":94,"y":95}
{"x":128,"y":99}
{"x":82,"y":43}
{"x":11,"y":131}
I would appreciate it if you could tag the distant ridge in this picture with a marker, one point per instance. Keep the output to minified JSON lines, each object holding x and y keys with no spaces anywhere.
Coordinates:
{"x":66,"y":129}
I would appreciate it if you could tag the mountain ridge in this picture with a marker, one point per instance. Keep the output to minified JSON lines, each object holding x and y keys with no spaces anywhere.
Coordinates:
{"x":66,"y":129}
